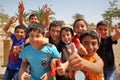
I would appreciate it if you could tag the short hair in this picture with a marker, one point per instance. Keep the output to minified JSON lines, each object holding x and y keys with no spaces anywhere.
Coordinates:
{"x":90,"y":33}
{"x":20,"y":27}
{"x":79,"y":20}
{"x":102,"y":22}
{"x":37,"y":27}
{"x":55,"y":24}
{"x":32,"y":15}
{"x":67,"y":29}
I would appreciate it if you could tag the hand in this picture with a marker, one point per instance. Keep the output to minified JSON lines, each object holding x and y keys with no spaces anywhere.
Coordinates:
{"x":21,"y":7}
{"x":16,"y":49}
{"x":12,"y":20}
{"x":45,"y":76}
{"x":47,"y":9}
{"x":81,"y":48}
{"x":75,"y":60}
{"x":117,"y":30}
{"x":25,"y":75}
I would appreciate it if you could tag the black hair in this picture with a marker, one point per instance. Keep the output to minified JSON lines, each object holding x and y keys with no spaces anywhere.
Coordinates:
{"x":90,"y":33}
{"x":67,"y":29}
{"x":103,"y":22}
{"x":20,"y":27}
{"x":79,"y":20}
{"x":37,"y":27}
{"x":32,"y":15}
{"x":55,"y":24}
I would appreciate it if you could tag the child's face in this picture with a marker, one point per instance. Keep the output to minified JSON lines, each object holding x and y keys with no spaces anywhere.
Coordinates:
{"x":19,"y":34}
{"x":66,"y":36}
{"x":80,"y":26}
{"x":102,"y":31}
{"x":55,"y":33}
{"x":90,"y":44}
{"x":35,"y":39}
{"x":33,"y":20}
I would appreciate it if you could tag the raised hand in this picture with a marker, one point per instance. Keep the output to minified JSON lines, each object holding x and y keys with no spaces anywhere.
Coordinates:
{"x":12,"y":20}
{"x":21,"y":7}
{"x":45,"y":6}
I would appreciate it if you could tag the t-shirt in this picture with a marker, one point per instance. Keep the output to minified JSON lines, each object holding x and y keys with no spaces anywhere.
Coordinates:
{"x":105,"y":51}
{"x":75,"y":41}
{"x":89,"y":75}
{"x":14,"y":62}
{"x":39,"y":60}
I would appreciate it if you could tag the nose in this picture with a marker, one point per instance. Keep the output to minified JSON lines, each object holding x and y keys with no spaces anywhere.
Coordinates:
{"x":90,"y":47}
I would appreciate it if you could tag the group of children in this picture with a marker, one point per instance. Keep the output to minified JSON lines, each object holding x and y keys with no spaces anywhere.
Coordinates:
{"x":68,"y":51}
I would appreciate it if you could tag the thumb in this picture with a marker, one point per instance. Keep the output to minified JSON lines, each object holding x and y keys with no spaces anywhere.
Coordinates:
{"x":81,"y":48}
{"x":73,"y":48}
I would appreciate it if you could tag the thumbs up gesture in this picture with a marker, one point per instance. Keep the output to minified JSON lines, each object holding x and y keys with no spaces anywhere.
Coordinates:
{"x":81,"y":49}
{"x":75,"y":61}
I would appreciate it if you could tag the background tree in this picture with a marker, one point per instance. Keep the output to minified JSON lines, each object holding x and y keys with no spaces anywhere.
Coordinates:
{"x":77,"y":16}
{"x":3,"y":17}
{"x":41,"y":14}
{"x":113,"y":12}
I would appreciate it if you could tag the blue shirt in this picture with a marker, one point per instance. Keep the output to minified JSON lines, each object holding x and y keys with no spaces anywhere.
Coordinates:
{"x":39,"y":60}
{"x":14,"y":62}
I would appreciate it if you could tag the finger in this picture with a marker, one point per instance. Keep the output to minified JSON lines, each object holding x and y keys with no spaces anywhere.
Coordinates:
{"x":81,"y":48}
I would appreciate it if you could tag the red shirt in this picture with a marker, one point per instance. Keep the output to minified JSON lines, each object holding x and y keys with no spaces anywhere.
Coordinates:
{"x":75,"y":40}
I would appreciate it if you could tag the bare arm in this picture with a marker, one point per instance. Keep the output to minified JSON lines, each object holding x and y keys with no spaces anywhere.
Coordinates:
{"x":79,"y":63}
{"x":22,"y":71}
{"x":47,"y":9}
{"x":21,"y":13}
{"x":7,"y":26}
{"x":95,"y":67}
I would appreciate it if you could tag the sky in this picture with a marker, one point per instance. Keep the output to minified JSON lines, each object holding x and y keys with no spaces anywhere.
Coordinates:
{"x":64,"y":9}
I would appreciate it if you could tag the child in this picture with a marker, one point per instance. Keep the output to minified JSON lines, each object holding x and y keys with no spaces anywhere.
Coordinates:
{"x":37,"y":55}
{"x":33,"y":18}
{"x":79,"y":26}
{"x":67,"y":34}
{"x":91,"y":64}
{"x":18,"y":39}
{"x":105,"y":50}
{"x":54,"y":34}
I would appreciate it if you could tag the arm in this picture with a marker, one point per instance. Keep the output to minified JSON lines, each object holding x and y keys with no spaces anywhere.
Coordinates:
{"x":79,"y":63}
{"x":117,"y":33}
{"x":22,"y":72}
{"x":47,"y":9}
{"x":21,"y":13}
{"x":7,"y":26}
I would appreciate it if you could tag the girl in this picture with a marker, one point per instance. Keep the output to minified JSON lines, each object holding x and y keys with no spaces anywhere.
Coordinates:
{"x":66,"y":38}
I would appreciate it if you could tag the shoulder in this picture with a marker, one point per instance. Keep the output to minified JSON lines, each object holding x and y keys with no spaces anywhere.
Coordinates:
{"x":50,"y":45}
{"x":27,"y":44}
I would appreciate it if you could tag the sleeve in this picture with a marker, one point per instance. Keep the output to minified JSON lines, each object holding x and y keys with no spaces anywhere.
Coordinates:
{"x":12,"y":36}
{"x":22,"y":54}
{"x":55,"y":52}
{"x":112,"y":42}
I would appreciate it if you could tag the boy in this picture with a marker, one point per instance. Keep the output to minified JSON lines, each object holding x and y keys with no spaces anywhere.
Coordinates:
{"x":18,"y":39}
{"x":105,"y":50}
{"x":89,"y":39}
{"x":33,"y":18}
{"x":37,"y":55}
